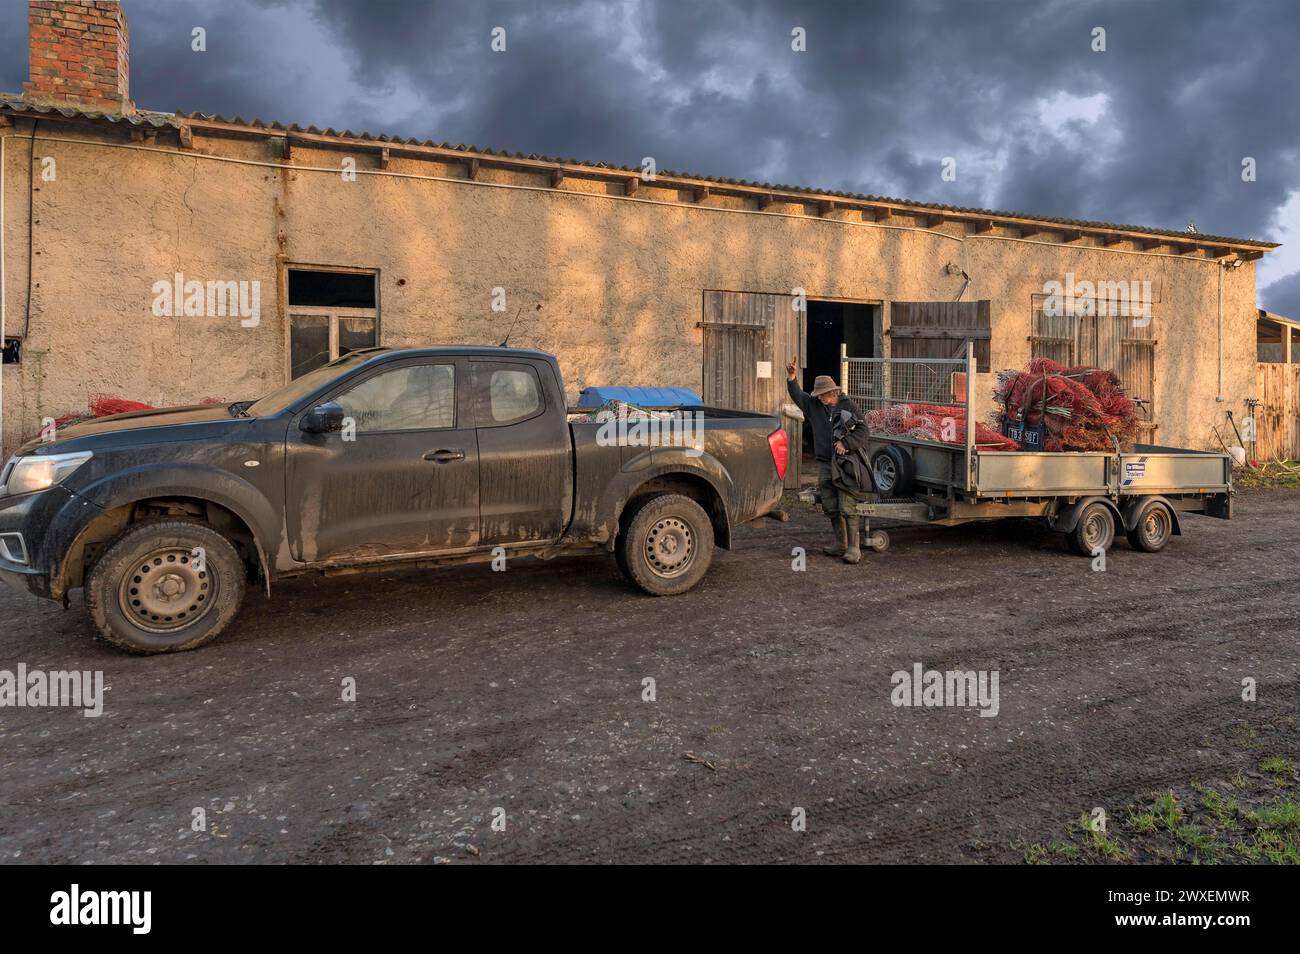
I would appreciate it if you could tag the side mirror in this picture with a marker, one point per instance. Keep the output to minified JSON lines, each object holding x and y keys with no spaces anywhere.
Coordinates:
{"x":323,"y":419}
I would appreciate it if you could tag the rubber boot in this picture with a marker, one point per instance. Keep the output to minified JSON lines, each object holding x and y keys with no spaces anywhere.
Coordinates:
{"x":853,"y":552}
{"x":841,"y":531}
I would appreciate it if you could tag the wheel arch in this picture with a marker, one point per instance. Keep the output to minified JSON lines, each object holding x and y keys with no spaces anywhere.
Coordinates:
{"x":1067,"y":518}
{"x":692,"y":484}
{"x":91,"y":540}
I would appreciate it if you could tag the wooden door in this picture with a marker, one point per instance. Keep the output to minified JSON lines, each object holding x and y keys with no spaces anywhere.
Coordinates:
{"x":940,"y":329}
{"x":748,"y":338}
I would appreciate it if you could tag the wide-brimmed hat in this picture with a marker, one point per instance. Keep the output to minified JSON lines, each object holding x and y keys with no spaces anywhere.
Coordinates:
{"x":823,"y":384}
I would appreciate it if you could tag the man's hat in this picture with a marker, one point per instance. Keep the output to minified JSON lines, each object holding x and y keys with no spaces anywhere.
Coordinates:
{"x":823,"y":384}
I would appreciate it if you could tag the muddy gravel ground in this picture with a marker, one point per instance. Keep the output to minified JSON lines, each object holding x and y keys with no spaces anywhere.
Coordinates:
{"x":519,"y":697}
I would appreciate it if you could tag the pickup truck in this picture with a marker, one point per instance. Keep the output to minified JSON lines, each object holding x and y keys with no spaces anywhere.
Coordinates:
{"x":423,"y":456}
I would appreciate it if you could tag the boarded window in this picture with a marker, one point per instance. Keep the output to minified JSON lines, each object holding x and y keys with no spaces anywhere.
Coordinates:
{"x":940,"y":329}
{"x":1121,"y":343}
{"x":331,"y":313}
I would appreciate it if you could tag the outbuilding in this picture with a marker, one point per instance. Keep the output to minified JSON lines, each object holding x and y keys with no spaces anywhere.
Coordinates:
{"x":179,"y":257}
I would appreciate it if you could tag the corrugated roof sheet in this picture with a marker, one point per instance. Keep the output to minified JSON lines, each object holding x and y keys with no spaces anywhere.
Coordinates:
{"x":145,"y":117}
{"x":142,"y":117}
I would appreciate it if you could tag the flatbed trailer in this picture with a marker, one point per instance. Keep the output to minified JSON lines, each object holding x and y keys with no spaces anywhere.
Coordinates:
{"x":1090,"y":497}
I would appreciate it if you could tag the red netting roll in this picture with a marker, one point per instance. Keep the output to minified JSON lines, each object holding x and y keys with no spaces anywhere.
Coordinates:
{"x":1081,"y":408}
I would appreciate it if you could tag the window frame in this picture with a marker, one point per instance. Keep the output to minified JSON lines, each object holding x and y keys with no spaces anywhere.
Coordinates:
{"x":331,"y":313}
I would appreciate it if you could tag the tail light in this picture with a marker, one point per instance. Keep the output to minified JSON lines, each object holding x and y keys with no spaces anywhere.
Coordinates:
{"x":780,"y":451}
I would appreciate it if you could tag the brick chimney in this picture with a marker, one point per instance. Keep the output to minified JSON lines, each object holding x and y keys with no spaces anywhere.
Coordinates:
{"x":78,"y":54}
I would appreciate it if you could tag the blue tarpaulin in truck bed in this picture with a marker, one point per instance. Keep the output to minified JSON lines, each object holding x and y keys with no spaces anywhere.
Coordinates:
{"x":641,"y":397}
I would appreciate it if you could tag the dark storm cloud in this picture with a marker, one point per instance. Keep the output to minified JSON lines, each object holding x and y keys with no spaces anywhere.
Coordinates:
{"x":1152,"y":131}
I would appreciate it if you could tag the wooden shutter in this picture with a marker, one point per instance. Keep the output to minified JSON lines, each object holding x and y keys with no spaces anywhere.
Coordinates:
{"x":1117,"y":343}
{"x":940,"y":329}
{"x":741,"y":331}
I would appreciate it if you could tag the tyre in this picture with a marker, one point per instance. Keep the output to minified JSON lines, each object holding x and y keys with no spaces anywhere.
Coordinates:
{"x":1153,"y":529}
{"x":1095,"y":530}
{"x":668,"y":545}
{"x":165,"y":586}
{"x":893,"y":472}
{"x":878,"y":541}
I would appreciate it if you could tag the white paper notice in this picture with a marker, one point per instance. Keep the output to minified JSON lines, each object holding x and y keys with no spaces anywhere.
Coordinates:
{"x":765,"y":369}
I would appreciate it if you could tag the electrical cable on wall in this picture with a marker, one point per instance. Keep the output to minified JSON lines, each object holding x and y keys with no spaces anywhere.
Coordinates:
{"x":31,"y":225}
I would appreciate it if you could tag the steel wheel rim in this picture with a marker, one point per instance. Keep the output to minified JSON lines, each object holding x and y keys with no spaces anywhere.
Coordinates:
{"x":885,"y":472}
{"x":164,"y":591}
{"x":1094,"y":531}
{"x":670,"y":547}
{"x":1155,"y":525}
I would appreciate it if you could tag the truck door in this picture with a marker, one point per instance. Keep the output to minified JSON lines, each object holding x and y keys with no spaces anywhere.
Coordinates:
{"x":525,"y":453}
{"x":402,"y":476}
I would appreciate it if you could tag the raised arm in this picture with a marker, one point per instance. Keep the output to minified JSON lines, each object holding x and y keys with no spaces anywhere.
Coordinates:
{"x":797,"y":394}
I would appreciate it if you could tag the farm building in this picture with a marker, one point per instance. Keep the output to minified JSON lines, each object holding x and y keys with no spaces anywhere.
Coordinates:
{"x":172,"y":258}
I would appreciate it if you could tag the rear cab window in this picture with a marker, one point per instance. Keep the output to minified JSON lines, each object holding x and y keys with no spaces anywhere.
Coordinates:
{"x":506,"y":393}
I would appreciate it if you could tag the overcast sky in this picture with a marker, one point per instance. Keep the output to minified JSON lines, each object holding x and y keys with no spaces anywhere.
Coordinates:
{"x":1150,"y":131}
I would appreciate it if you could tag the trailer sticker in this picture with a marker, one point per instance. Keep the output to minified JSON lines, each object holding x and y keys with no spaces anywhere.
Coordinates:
{"x":1134,"y":470}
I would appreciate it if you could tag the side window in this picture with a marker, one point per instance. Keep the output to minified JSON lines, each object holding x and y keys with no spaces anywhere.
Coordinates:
{"x":414,"y":397}
{"x":507,"y":393}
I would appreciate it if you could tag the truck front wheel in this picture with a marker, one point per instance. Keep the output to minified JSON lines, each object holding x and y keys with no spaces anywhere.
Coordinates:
{"x":668,"y":545}
{"x":165,"y":586}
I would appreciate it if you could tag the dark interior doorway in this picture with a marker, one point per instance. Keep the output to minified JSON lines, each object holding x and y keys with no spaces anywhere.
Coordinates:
{"x":832,"y":324}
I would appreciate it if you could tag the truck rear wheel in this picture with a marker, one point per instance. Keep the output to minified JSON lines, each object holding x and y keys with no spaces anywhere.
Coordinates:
{"x":1094,"y":532}
{"x":668,"y":545}
{"x":165,"y":586}
{"x":1153,"y":529}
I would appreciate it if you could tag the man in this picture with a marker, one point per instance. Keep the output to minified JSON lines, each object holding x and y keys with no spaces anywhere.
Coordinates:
{"x":820,"y":410}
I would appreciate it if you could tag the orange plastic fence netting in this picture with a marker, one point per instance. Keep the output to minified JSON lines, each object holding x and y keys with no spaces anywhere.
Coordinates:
{"x":934,"y":422}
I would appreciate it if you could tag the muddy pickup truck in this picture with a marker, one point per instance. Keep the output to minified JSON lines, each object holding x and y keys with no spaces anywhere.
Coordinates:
{"x":418,"y":457}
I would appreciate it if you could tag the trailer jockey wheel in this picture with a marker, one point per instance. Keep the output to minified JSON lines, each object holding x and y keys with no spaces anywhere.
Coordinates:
{"x":878,"y":541}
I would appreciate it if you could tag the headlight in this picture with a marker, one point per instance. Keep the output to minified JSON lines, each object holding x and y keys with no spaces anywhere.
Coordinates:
{"x":29,"y":474}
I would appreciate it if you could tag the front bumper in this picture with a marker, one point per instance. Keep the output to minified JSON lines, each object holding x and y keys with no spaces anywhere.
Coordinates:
{"x":42,"y":519}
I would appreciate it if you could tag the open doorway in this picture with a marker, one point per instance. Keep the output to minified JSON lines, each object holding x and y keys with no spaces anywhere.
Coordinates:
{"x":853,"y":326}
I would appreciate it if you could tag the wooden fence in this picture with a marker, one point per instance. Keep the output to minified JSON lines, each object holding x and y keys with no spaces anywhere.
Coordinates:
{"x":1277,"y":418}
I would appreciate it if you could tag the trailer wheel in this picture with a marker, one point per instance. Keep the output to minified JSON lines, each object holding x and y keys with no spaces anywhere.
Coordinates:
{"x":892,"y":471}
{"x":165,"y":586}
{"x":878,"y":541}
{"x":1153,"y":529}
{"x":1095,"y":530}
{"x":668,"y":545}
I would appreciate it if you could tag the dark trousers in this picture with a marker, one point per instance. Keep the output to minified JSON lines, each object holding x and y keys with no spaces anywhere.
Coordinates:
{"x":827,"y":491}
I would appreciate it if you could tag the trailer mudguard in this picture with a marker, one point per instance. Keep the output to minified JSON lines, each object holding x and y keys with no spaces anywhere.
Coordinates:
{"x":1135,"y":508}
{"x":1066,"y":518}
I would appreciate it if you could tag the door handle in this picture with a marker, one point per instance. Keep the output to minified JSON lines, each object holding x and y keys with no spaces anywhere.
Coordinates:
{"x":443,"y":456}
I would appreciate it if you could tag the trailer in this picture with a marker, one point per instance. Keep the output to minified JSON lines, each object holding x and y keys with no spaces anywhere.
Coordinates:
{"x":1090,"y":497}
